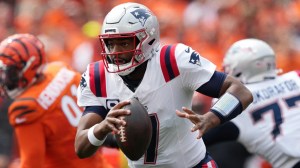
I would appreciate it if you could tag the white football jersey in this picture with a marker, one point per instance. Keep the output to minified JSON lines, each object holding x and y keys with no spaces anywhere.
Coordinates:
{"x":270,"y":125}
{"x":171,"y":78}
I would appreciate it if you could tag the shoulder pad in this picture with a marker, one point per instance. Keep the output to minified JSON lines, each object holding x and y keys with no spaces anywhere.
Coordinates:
{"x":24,"y":111}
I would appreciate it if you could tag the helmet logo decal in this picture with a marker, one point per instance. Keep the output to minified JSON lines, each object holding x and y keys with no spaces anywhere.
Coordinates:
{"x":242,"y":50}
{"x":142,"y":15}
{"x":195,"y":59}
{"x":83,"y":83}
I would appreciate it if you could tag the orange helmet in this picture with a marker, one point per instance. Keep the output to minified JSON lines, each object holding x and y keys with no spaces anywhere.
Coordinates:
{"x":22,"y":58}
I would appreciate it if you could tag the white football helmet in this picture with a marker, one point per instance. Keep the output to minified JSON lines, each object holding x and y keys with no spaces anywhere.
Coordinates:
{"x":250,"y":60}
{"x":125,"y":21}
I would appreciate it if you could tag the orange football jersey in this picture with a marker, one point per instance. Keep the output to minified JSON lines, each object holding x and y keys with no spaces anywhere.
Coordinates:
{"x":45,"y":117}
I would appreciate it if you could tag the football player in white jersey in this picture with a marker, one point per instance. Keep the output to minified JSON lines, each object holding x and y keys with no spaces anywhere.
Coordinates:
{"x":163,"y":78}
{"x":270,"y":126}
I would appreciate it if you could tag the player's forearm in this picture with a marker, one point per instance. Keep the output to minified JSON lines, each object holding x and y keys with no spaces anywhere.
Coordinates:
{"x":89,"y":140}
{"x":242,"y":94}
{"x":237,"y":89}
{"x":83,"y":147}
{"x":89,"y":133}
{"x":235,"y":97}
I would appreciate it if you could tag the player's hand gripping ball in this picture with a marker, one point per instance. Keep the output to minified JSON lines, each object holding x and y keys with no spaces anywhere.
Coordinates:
{"x":135,"y":136}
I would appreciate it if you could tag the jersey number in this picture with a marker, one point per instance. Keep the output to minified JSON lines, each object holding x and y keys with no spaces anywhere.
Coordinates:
{"x":70,"y":108}
{"x":257,"y":115}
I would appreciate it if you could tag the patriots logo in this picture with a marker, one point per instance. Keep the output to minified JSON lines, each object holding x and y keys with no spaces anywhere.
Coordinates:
{"x":83,"y":83}
{"x":195,"y":58}
{"x":142,"y":15}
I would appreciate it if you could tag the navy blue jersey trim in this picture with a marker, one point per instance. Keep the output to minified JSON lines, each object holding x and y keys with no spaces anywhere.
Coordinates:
{"x":168,"y":63}
{"x":213,"y":87}
{"x":100,"y":110}
{"x":97,"y":79}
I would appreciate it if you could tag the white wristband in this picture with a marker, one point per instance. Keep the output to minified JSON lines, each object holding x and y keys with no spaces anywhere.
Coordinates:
{"x":226,"y":104}
{"x":93,"y":140}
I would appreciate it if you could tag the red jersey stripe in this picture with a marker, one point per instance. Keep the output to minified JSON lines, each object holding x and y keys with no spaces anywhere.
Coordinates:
{"x":102,"y":80}
{"x":163,"y":63}
{"x":91,"y":74}
{"x":168,"y":62}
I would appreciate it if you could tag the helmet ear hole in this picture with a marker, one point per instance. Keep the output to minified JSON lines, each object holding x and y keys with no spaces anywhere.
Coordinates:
{"x":238,"y":75}
{"x":151,"y":42}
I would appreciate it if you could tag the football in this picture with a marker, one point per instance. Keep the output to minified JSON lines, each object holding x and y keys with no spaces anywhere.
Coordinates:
{"x":135,"y":136}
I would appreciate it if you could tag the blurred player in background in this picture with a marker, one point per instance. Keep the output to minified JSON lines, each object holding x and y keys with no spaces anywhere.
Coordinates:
{"x":201,"y":104}
{"x":6,"y":133}
{"x":270,"y":126}
{"x":44,"y":113}
{"x":163,"y":78}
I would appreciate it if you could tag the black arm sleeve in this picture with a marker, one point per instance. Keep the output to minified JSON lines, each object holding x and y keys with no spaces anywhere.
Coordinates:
{"x":213,"y":87}
{"x":100,"y":110}
{"x":226,"y":132}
